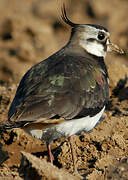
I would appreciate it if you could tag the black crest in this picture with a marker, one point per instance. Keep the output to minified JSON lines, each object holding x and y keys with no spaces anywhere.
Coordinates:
{"x":65,"y":18}
{"x":70,"y":23}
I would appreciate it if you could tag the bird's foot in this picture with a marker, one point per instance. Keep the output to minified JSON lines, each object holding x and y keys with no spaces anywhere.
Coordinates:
{"x":51,"y":157}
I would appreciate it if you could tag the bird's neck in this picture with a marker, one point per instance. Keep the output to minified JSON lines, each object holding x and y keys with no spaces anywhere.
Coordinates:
{"x":77,"y":50}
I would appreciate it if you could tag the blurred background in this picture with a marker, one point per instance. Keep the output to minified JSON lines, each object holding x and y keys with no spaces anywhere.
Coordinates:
{"x":32,"y":30}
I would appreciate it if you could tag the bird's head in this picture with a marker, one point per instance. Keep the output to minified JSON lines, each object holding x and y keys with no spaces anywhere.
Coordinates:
{"x":95,"y":39}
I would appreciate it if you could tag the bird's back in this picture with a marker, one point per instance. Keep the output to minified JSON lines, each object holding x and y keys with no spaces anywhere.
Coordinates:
{"x":66,"y":85}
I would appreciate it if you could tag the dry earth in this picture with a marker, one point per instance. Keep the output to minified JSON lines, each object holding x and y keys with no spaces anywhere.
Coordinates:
{"x":31,"y":31}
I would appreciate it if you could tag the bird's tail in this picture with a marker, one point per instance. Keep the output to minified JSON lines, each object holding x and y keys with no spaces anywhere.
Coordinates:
{"x":11,"y":125}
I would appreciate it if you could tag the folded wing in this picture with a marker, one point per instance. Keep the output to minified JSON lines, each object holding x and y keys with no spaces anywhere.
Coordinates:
{"x":64,"y":88}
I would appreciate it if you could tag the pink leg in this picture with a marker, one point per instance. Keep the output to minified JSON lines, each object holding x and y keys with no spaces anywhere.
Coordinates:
{"x":51,"y":157}
{"x":72,"y":144}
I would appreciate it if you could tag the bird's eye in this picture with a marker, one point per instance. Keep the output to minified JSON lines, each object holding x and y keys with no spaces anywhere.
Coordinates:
{"x":101,"y":36}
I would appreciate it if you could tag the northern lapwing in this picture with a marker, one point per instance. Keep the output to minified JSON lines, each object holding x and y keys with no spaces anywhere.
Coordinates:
{"x":66,"y":93}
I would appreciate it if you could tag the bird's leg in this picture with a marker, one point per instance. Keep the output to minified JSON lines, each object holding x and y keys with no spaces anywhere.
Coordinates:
{"x":51,"y":157}
{"x":72,"y":144}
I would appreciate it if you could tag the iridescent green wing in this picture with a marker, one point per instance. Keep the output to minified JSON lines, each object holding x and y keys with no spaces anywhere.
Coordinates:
{"x":59,"y":88}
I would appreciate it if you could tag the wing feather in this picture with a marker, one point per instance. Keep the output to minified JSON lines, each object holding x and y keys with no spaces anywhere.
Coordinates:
{"x":59,"y":88}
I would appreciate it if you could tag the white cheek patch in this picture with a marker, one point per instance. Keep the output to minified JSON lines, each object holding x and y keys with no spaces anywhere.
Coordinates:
{"x":94,"y":48}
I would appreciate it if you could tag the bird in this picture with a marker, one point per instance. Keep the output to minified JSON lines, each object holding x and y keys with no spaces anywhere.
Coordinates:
{"x":66,"y":93}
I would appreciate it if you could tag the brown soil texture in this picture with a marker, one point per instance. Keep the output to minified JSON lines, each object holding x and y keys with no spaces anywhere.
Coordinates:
{"x":31,"y":31}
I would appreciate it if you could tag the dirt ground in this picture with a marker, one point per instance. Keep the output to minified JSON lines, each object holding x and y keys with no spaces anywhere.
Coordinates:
{"x":32,"y":30}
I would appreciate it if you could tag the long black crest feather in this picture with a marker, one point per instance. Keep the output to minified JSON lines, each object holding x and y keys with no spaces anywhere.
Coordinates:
{"x":65,"y":18}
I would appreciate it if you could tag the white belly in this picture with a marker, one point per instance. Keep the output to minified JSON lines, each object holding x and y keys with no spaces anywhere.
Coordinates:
{"x":73,"y":126}
{"x":64,"y":129}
